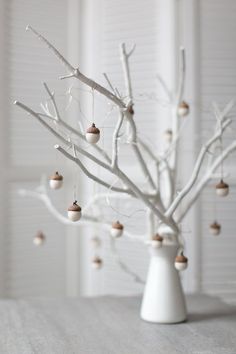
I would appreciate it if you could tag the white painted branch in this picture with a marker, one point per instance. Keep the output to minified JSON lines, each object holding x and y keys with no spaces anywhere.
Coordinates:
{"x":109,"y":82}
{"x":89,"y":174}
{"x":196,"y":169}
{"x":114,"y":163}
{"x":150,"y":224}
{"x":95,"y":199}
{"x":86,"y":220}
{"x":175,"y":116}
{"x":133,"y":141}
{"x":125,"y":63}
{"x":205,"y":179}
{"x":61,"y":138}
{"x":182,"y":70}
{"x":159,"y":214}
{"x":121,"y":104}
{"x":220,"y":116}
{"x":72,"y":130}
{"x":133,"y":130}
{"x":51,"y":95}
{"x":74,"y":72}
{"x":128,"y":183}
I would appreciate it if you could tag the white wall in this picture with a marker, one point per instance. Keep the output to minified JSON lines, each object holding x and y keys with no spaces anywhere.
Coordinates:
{"x":91,"y":38}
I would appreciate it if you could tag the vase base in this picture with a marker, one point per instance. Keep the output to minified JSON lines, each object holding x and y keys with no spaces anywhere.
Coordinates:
{"x":163,"y":321}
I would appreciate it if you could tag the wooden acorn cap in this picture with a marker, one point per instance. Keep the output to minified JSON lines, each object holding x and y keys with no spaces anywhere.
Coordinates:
{"x":74,"y":207}
{"x":168,"y":132}
{"x":97,"y":260}
{"x":215,"y":226}
{"x":117,"y":225}
{"x":131,"y":110}
{"x":93,"y":129}
{"x":40,"y":235}
{"x":56,"y":177}
{"x":181,"y":258}
{"x":157,"y":237}
{"x":183,"y":104}
{"x":222,"y":185}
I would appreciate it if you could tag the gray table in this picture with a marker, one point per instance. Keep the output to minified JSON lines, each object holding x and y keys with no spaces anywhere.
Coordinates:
{"x":109,"y":325}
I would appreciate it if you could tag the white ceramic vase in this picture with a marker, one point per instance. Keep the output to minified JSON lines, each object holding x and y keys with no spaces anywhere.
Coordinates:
{"x":163,"y":298}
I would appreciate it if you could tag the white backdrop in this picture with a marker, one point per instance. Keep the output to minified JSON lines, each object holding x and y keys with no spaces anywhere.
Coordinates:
{"x":89,"y":32}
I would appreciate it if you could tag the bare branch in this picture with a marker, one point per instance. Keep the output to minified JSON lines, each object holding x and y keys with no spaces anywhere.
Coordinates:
{"x":206,"y":178}
{"x":126,"y":69}
{"x":69,"y":127}
{"x":75,"y":72}
{"x":86,"y":219}
{"x":109,"y":82}
{"x":114,"y":163}
{"x":196,"y":169}
{"x":52,"y":48}
{"x":137,"y":151}
{"x":51,"y":95}
{"x":61,"y":138}
{"x":89,"y":174}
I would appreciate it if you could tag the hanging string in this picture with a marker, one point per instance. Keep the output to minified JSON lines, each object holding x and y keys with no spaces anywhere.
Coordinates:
{"x":92,"y":105}
{"x":221,"y":153}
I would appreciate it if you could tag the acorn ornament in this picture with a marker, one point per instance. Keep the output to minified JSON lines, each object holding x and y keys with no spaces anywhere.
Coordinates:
{"x":116,"y":229}
{"x":39,"y":238}
{"x":156,"y":241}
{"x":74,"y":212}
{"x":92,"y":134}
{"x":183,"y":109}
{"x":181,"y":262}
{"x":222,"y":189}
{"x":95,"y":242}
{"x":97,"y":262}
{"x":168,"y":135}
{"x":215,"y":228}
{"x":56,"y":181}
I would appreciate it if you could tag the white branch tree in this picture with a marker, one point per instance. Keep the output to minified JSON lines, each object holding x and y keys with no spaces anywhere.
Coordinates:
{"x":167,"y":211}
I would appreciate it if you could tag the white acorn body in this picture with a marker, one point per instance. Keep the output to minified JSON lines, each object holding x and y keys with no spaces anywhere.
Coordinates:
{"x":74,"y":215}
{"x":214,"y":231}
{"x":116,"y":232}
{"x":55,"y":184}
{"x":96,"y":265}
{"x":182,"y":111}
{"x":168,"y":135}
{"x":222,"y":192}
{"x":92,"y":138}
{"x":181,"y":265}
{"x":38,"y":241}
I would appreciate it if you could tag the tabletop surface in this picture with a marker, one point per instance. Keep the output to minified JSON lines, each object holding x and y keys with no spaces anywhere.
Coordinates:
{"x":111,"y":325}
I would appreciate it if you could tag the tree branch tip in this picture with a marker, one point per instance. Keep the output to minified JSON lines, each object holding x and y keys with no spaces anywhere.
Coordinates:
{"x":57,"y":146}
{"x":16,"y":102}
{"x":28,"y":27}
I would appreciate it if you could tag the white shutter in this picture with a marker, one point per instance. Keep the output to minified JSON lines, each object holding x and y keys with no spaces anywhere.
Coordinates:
{"x":29,"y":270}
{"x":218,"y":83}
{"x":29,"y":64}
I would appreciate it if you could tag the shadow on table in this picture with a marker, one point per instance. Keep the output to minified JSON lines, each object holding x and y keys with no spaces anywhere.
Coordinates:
{"x":211,"y":308}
